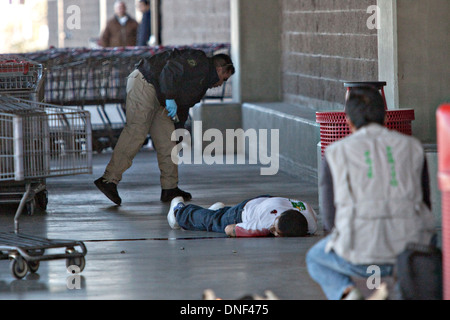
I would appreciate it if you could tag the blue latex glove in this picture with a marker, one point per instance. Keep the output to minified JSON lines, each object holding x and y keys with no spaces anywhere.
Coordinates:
{"x":171,"y":107}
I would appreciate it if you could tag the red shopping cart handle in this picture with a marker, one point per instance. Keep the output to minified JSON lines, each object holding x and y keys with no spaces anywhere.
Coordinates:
{"x":24,"y":64}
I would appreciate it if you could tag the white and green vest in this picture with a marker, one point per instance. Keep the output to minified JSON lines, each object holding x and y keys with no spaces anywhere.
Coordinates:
{"x":378,"y":195}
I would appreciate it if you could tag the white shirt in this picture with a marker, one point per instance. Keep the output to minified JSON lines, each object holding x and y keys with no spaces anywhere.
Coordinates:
{"x":260,"y":214}
{"x":122,"y":20}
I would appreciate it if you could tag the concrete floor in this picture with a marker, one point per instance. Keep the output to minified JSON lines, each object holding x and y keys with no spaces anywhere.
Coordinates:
{"x":133,"y":253}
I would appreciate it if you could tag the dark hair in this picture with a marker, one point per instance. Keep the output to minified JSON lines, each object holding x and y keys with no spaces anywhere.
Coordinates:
{"x":292,"y":223}
{"x":224,"y":60}
{"x":365,"y":105}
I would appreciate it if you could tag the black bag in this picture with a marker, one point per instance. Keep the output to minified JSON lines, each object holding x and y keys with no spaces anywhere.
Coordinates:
{"x":419,"y":273}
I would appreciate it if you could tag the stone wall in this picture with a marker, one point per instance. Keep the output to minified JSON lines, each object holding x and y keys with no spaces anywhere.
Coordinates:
{"x":195,"y":21}
{"x":325,"y":42}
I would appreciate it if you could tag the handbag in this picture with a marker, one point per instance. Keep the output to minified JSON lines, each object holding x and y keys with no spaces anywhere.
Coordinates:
{"x":419,"y":273}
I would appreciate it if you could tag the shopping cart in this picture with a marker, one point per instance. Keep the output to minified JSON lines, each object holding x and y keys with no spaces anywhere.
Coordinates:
{"x":39,"y":141}
{"x":95,"y":79}
{"x":20,"y":76}
{"x":23,"y":78}
{"x":107,"y":124}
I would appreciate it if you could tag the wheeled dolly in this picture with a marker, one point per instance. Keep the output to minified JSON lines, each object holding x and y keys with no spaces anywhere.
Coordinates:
{"x":26,"y":252}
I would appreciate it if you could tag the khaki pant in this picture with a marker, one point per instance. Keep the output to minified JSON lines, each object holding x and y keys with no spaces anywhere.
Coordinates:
{"x":144,"y":115}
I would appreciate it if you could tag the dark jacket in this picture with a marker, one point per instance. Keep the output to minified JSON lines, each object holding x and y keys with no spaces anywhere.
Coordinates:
{"x":183,"y":75}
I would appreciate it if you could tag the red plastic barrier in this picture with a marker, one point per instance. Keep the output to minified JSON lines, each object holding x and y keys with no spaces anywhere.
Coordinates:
{"x":333,"y":125}
{"x":443,"y":139}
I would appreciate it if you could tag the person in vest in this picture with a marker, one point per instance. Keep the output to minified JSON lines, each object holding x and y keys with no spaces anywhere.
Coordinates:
{"x":160,"y":92}
{"x":374,"y":199}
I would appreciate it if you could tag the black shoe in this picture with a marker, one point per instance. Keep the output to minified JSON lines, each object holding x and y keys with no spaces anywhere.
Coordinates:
{"x":168,"y":194}
{"x":109,"y":189}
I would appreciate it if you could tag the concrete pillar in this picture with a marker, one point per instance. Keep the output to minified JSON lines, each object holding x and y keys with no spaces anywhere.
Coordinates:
{"x":155,"y":23}
{"x":256,"y":50}
{"x":61,"y":33}
{"x":103,"y":14}
{"x":387,"y":50}
{"x":413,"y":47}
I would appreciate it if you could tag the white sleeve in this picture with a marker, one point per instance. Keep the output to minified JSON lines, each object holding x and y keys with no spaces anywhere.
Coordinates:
{"x":311,"y":217}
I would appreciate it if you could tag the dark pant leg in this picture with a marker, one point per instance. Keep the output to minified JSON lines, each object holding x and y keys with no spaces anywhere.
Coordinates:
{"x":193,"y":217}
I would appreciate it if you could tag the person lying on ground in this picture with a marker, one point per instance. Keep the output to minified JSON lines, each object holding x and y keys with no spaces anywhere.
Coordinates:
{"x":257,"y":217}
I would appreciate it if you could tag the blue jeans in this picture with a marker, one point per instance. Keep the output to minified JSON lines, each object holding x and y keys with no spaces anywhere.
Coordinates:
{"x":334,"y":273}
{"x":193,"y":217}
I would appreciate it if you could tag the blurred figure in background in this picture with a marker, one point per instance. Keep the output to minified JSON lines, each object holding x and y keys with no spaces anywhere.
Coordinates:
{"x":144,"y":31}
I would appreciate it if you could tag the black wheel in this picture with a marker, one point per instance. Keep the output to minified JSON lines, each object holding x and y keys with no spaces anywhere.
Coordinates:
{"x":19,"y":267}
{"x":41,"y":200}
{"x":80,"y":262}
{"x":33,"y":266}
{"x":31,"y":207}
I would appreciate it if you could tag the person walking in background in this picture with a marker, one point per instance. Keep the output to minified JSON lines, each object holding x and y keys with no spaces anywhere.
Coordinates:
{"x":144,"y":31}
{"x":375,"y":199}
{"x":121,"y":30}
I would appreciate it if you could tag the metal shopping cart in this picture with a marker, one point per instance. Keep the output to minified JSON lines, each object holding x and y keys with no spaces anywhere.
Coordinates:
{"x":21,"y":77}
{"x":95,"y":79}
{"x":38,"y":141}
